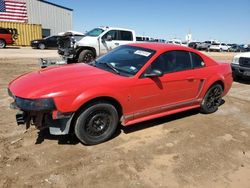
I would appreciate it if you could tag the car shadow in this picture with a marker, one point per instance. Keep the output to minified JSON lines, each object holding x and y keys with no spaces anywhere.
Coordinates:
{"x":44,"y":134}
{"x":71,"y":139}
{"x":243,"y":81}
{"x":12,"y":47}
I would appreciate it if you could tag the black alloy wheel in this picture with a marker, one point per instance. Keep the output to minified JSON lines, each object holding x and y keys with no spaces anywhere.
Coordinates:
{"x":96,"y":123}
{"x":86,"y":56}
{"x":212,"y":99}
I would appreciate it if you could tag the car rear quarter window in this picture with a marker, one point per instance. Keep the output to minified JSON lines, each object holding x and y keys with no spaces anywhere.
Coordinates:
{"x":197,"y":61}
{"x":126,"y":35}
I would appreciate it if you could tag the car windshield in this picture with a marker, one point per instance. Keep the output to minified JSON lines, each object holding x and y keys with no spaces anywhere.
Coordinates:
{"x":124,"y":60}
{"x":94,"y":32}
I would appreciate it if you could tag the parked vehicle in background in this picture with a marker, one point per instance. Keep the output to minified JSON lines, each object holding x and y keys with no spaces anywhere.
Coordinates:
{"x":237,"y":48}
{"x":193,"y":45}
{"x":219,"y":47}
{"x":47,"y":42}
{"x":184,"y":43}
{"x":205,"y":45}
{"x":67,"y":41}
{"x":131,"y":84}
{"x":175,"y":41}
{"x":97,"y":42}
{"x":159,"y":40}
{"x":241,"y":66}
{"x":7,"y":37}
{"x":142,"y":38}
{"x":247,"y":48}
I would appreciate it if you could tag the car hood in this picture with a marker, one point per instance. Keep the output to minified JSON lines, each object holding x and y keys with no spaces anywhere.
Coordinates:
{"x":60,"y":81}
{"x":87,"y":40}
{"x":245,"y":54}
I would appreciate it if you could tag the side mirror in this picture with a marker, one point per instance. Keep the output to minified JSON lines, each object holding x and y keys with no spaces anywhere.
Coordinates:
{"x":154,"y":73}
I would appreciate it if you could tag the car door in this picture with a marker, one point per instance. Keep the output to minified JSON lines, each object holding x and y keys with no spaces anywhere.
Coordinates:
{"x":108,"y":41}
{"x":180,"y":84}
{"x":51,"y":42}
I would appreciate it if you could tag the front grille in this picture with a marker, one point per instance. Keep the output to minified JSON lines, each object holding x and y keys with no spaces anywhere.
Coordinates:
{"x":244,"y":62}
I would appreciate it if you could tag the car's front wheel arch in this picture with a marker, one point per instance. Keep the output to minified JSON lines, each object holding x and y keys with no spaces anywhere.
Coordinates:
{"x":104,"y":111}
{"x":105,"y":99}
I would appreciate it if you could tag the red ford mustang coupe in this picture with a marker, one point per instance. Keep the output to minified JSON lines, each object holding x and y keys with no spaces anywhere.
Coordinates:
{"x":131,"y":84}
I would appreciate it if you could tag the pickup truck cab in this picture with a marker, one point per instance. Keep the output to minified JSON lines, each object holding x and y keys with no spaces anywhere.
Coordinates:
{"x":99,"y":41}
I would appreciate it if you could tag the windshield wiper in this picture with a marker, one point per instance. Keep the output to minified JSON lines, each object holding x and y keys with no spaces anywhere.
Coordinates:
{"x":111,"y":67}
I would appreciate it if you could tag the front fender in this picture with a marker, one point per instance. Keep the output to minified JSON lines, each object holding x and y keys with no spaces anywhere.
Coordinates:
{"x":99,"y":92}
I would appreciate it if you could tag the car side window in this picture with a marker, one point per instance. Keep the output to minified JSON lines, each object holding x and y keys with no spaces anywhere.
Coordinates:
{"x":172,"y":61}
{"x":176,"y":61}
{"x":126,"y":35}
{"x":197,"y":61}
{"x":112,"y":33}
{"x":52,"y":38}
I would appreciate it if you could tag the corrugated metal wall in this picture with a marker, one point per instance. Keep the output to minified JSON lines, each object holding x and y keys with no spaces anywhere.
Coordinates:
{"x":26,"y":32}
{"x":51,"y":17}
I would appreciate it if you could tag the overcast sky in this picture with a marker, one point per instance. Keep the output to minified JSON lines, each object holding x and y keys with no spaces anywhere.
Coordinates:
{"x":223,"y":20}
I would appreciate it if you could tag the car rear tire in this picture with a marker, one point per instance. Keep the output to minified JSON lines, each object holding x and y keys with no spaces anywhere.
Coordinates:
{"x":86,"y":56}
{"x":96,"y":123}
{"x":212,"y":99}
{"x":41,"y":46}
{"x":2,"y":44}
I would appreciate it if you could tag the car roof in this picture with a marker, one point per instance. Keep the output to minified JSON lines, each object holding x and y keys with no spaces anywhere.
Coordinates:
{"x":160,"y":46}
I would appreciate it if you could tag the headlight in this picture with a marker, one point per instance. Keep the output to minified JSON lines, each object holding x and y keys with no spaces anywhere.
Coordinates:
{"x":35,"y":104}
{"x":235,"y":60}
{"x":35,"y":41}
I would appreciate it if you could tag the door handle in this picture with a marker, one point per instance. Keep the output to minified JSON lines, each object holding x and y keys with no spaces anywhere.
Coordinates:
{"x":116,"y":43}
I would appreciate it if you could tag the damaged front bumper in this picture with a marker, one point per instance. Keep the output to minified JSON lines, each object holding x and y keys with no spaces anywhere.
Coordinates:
{"x":42,"y":114}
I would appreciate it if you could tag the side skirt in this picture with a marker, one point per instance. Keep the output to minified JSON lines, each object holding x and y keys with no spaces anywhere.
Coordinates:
{"x":159,"y":112}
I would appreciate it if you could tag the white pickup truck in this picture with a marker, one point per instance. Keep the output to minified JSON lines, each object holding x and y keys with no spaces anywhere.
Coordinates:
{"x":97,"y":42}
{"x":241,"y":66}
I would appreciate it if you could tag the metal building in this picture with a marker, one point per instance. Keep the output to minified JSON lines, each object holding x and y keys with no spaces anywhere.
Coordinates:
{"x":53,"y":18}
{"x":34,"y":19}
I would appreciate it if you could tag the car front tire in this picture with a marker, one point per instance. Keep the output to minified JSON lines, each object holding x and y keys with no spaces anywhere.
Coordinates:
{"x":212,"y":99}
{"x":96,"y":123}
{"x":41,"y":46}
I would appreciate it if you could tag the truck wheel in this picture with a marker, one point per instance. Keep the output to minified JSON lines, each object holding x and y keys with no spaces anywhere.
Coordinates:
{"x":212,"y":99}
{"x":96,"y":123}
{"x":86,"y":56}
{"x":236,"y":77}
{"x":41,"y":46}
{"x":2,"y":44}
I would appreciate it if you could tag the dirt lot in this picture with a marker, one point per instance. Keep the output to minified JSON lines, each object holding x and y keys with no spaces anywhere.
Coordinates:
{"x":184,"y":150}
